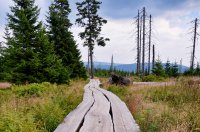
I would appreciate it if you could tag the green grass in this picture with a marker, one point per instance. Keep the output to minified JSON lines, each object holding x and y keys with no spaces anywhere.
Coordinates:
{"x":166,"y":108}
{"x":38,"y":107}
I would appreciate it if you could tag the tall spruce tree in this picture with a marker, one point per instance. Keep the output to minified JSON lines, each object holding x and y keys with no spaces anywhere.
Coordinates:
{"x":174,"y":70}
{"x":59,"y":33}
{"x":29,"y":55}
{"x":158,"y":69}
{"x":89,"y":19}
{"x":168,"y":70}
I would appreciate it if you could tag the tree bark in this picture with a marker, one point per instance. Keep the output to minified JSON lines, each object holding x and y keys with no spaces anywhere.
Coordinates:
{"x":143,"y":48}
{"x":153,"y":60}
{"x":138,"y":43}
{"x":149,"y":63}
{"x":194,"y":44}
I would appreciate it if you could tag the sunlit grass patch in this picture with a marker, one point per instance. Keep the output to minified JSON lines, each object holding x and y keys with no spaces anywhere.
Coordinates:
{"x":38,"y":107}
{"x":163,"y":108}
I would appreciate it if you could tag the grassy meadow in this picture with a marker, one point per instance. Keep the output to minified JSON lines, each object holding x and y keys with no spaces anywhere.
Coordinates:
{"x":41,"y":107}
{"x":38,"y":107}
{"x":163,"y":108}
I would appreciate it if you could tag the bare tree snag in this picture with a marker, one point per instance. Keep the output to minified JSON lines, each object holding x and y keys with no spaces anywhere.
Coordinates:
{"x":143,"y":46}
{"x":153,"y":60}
{"x":149,"y":62}
{"x":194,"y":44}
{"x":138,"y":42}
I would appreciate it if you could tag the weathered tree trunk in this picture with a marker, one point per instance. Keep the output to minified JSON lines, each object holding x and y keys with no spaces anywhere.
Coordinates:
{"x":88,"y":65}
{"x":91,"y":62}
{"x":138,"y":42}
{"x":140,"y":46}
{"x":112,"y":65}
{"x":194,"y":44}
{"x":143,"y":48}
{"x":149,"y":63}
{"x":181,"y":65}
{"x":153,"y":60}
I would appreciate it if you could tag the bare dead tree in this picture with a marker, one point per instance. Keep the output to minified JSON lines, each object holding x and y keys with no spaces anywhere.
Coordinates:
{"x":181,"y":65}
{"x":112,"y":65}
{"x":153,"y":59}
{"x":149,"y":62}
{"x":140,"y":46}
{"x":143,"y":43}
{"x":194,"y":43}
{"x":138,"y":42}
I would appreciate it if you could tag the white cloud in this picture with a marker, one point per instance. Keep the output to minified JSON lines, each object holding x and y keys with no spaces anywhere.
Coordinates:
{"x":171,"y":42}
{"x":170,"y":27}
{"x":121,"y":44}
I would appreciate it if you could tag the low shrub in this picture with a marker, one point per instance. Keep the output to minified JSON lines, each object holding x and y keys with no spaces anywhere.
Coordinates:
{"x":146,"y":121}
{"x":38,"y":107}
{"x":153,"y":78}
{"x":29,"y":90}
{"x":149,"y":78}
{"x":5,"y":95}
{"x":121,"y":92}
{"x":48,"y":116}
{"x":16,"y":121}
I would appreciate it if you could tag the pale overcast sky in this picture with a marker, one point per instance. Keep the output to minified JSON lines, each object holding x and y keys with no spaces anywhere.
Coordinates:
{"x":171,"y":25}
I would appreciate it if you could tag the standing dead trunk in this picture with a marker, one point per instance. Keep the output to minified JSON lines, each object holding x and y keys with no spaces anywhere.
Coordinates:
{"x":138,"y":42}
{"x":153,"y":60}
{"x":194,"y":44}
{"x":149,"y":63}
{"x":143,"y":47}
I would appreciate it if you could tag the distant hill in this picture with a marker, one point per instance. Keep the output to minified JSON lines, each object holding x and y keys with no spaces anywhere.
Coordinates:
{"x":123,"y":67}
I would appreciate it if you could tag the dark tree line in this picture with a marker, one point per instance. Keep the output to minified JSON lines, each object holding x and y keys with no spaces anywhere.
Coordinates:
{"x":106,"y":73}
{"x":33,"y":54}
{"x":167,"y":70}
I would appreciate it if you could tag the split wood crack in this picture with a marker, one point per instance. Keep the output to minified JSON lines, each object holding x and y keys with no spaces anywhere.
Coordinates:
{"x":100,"y":111}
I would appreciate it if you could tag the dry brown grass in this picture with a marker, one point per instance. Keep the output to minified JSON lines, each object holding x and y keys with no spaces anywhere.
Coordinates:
{"x":164,"y":108}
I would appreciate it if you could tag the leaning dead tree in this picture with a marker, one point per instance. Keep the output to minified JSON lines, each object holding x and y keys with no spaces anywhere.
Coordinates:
{"x":194,"y":43}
